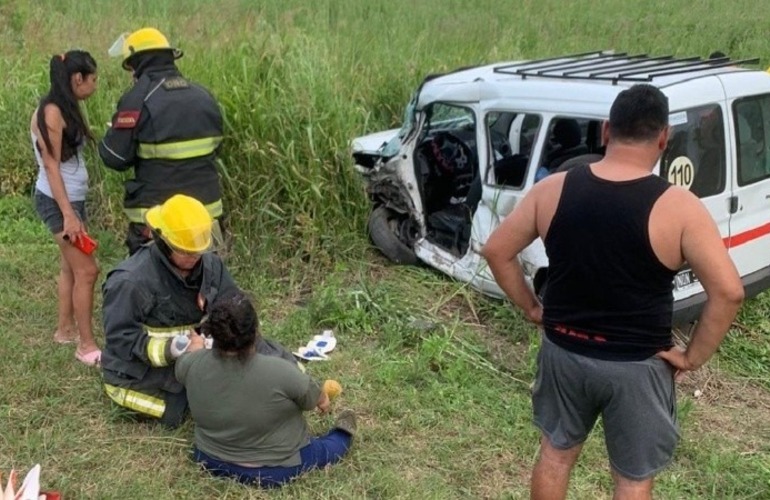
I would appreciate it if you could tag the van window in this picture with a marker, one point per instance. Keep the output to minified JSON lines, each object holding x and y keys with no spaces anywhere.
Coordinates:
{"x":569,"y":141}
{"x":569,"y":137}
{"x":450,"y":117}
{"x":695,"y":156}
{"x":511,"y":136}
{"x":752,"y":138}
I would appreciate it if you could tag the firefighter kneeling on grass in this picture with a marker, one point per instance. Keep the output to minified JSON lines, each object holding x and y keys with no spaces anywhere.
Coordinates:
{"x":167,"y":128}
{"x":153,"y":304}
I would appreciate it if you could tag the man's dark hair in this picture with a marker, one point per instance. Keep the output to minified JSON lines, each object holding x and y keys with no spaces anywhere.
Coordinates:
{"x":233,"y":324}
{"x":639,"y":113}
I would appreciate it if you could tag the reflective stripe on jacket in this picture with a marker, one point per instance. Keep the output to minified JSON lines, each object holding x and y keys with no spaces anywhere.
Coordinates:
{"x":179,"y":150}
{"x":169,"y":130}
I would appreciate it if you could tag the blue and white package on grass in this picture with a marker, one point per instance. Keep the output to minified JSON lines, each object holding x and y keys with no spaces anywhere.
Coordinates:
{"x":325,"y":343}
{"x":310,"y":354}
{"x":318,"y":347}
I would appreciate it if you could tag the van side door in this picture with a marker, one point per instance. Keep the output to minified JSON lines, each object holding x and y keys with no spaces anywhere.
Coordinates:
{"x":507,"y":171}
{"x":749,"y":241}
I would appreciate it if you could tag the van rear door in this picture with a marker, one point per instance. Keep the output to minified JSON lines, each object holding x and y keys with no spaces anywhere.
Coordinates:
{"x":749,"y":239}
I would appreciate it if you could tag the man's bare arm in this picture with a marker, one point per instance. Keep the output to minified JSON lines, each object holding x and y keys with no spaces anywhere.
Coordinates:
{"x":501,"y":251}
{"x":704,"y":251}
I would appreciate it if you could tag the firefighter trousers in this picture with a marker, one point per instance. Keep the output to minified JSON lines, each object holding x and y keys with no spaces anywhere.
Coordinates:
{"x":168,"y":407}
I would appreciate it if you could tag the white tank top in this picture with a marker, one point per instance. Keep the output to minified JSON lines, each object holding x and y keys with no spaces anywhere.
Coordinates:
{"x":73,"y":173}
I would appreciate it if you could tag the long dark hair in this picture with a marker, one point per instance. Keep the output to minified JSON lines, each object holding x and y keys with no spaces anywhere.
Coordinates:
{"x":233,"y":324}
{"x":63,"y":66}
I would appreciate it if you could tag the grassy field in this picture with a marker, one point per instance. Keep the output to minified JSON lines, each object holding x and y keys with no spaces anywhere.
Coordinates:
{"x":439,"y":375}
{"x":441,"y":386}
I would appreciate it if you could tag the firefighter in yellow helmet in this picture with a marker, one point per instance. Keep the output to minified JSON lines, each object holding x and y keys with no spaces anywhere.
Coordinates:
{"x":167,"y":128}
{"x":153,"y":304}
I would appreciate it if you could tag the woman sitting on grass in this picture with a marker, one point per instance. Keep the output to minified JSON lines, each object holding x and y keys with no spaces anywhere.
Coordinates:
{"x":248,"y":407}
{"x":59,"y":133}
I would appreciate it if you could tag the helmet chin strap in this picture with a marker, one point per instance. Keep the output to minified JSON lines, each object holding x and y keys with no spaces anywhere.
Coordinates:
{"x":164,"y":248}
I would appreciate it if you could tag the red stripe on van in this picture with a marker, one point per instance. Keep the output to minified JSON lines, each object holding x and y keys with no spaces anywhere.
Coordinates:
{"x":746,"y":236}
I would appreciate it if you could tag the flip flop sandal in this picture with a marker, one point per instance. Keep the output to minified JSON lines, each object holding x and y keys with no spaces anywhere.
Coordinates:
{"x":92,"y":358}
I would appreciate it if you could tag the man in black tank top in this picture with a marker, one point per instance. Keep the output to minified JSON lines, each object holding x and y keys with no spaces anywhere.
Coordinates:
{"x":615,"y":234}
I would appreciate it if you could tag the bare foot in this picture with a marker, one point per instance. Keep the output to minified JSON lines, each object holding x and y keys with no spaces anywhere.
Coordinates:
{"x":66,"y":336}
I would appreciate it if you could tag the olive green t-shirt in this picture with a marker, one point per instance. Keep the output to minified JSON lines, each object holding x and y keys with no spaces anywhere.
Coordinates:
{"x":248,"y":413}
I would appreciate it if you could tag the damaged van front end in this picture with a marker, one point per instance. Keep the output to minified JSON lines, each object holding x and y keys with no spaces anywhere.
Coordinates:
{"x":425,"y":184}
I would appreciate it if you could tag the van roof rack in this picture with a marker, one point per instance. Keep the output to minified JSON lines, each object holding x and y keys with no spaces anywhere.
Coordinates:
{"x":615,"y":67}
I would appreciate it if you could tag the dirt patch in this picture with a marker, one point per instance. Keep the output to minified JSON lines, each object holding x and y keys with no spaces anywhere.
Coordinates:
{"x":734,"y":408}
{"x":737,"y":409}
{"x":503,"y":472}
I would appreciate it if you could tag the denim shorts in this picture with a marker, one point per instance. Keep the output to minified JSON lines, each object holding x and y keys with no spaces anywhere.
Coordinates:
{"x":51,"y":215}
{"x":636,"y":399}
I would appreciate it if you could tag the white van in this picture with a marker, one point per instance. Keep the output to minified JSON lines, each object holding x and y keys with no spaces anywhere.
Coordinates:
{"x":476,"y":139}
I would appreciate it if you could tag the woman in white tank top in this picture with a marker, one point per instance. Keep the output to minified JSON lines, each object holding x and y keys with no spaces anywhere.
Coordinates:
{"x":59,"y":132}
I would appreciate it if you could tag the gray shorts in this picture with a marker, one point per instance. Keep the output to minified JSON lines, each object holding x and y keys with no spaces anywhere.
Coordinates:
{"x":50,"y":213}
{"x":636,"y":399}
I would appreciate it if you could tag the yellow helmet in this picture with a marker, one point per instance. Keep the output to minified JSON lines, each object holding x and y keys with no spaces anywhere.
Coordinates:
{"x":142,"y":40}
{"x":183,"y":222}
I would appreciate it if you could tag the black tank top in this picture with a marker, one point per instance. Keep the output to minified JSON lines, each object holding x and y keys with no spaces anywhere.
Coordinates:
{"x":608,"y":296}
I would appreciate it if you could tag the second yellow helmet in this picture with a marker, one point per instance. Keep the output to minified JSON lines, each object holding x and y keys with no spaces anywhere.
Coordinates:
{"x":184,"y":223}
{"x":142,"y":40}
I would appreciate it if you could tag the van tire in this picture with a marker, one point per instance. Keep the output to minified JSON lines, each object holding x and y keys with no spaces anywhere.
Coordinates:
{"x":383,"y":230}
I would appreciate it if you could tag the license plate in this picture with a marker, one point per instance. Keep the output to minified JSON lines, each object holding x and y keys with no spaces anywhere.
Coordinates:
{"x":685,"y":278}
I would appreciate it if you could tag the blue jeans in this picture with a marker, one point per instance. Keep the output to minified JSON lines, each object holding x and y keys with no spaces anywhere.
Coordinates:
{"x":322,"y":451}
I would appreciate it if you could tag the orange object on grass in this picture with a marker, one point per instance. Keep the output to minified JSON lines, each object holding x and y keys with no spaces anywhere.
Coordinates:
{"x":332,"y":388}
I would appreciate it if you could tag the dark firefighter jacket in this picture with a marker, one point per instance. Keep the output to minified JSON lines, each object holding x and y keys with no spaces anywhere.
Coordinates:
{"x":146,"y":303}
{"x":169,"y":129}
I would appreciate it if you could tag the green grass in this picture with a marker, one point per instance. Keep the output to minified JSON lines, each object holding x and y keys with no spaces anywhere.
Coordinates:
{"x":441,"y":387}
{"x":439,"y":375}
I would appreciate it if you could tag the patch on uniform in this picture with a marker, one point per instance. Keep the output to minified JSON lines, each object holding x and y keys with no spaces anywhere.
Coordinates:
{"x":126,"y":119}
{"x":176,"y":83}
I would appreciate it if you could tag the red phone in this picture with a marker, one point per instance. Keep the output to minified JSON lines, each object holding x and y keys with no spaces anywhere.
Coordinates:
{"x":84,"y":243}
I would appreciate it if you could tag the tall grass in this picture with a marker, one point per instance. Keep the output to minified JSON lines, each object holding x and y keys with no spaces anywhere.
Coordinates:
{"x":298,"y":79}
